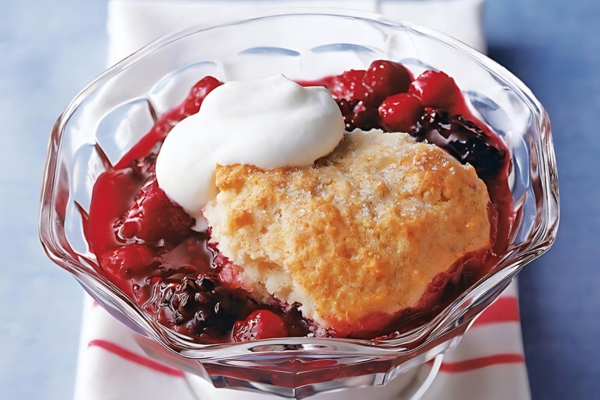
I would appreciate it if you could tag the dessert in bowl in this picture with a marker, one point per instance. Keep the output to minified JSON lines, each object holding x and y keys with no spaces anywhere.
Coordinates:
{"x":363,"y":255}
{"x":316,"y":220}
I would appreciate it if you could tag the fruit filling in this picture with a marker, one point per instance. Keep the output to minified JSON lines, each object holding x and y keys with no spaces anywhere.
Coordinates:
{"x":312,"y":250}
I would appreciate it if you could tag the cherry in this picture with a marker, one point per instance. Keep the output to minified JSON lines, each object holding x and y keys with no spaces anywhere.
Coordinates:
{"x":383,"y":79}
{"x":435,"y":89}
{"x":347,"y":86}
{"x":400,"y":112}
{"x":261,"y":324}
{"x":154,"y":216}
{"x":129,"y":261}
{"x":199,"y":91}
{"x":365,"y":117}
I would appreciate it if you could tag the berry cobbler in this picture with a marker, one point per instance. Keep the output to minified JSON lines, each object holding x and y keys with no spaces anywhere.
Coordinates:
{"x":357,"y":205}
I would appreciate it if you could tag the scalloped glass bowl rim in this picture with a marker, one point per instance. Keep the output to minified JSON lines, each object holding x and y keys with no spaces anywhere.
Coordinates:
{"x":524,"y":253}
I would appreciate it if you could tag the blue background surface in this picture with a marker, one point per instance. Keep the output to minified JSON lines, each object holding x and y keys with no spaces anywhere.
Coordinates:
{"x":50,"y":50}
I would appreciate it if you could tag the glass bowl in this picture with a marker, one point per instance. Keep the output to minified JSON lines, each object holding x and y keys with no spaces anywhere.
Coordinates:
{"x":119,"y":107}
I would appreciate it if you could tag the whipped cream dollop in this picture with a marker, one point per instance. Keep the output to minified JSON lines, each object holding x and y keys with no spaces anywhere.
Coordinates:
{"x":269,"y":123}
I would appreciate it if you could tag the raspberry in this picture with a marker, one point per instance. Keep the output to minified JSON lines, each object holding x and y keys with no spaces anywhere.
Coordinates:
{"x":261,"y":324}
{"x":435,"y":89}
{"x":400,"y":112}
{"x":383,"y":79}
{"x":129,"y":261}
{"x":197,"y":94}
{"x":347,"y":85}
{"x":154,"y":216}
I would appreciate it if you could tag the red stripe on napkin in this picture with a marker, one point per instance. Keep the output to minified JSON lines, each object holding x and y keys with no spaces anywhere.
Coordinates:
{"x":478,"y":363}
{"x":133,"y":357}
{"x":505,"y":309}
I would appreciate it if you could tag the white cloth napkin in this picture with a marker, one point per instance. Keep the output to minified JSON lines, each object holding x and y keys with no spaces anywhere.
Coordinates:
{"x":132,"y":24}
{"x":488,"y":363}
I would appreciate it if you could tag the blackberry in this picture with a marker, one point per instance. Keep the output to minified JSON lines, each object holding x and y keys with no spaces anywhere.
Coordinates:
{"x":461,"y":138}
{"x":196,"y":307}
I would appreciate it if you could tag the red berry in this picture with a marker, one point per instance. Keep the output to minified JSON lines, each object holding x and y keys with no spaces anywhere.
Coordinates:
{"x":347,"y":110}
{"x":261,"y":324}
{"x":347,"y":85}
{"x":383,"y":79}
{"x":154,"y":216}
{"x":435,"y":89}
{"x":197,"y":94}
{"x":365,"y":117}
{"x":129,"y":260}
{"x":400,"y":112}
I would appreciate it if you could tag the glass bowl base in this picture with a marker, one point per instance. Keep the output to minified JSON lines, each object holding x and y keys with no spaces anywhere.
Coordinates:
{"x":410,"y":385}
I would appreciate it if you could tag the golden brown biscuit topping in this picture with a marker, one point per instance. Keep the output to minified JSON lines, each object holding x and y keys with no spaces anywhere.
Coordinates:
{"x":357,"y":237}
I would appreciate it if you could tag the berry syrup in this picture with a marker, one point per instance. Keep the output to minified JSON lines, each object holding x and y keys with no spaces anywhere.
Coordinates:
{"x":145,"y":245}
